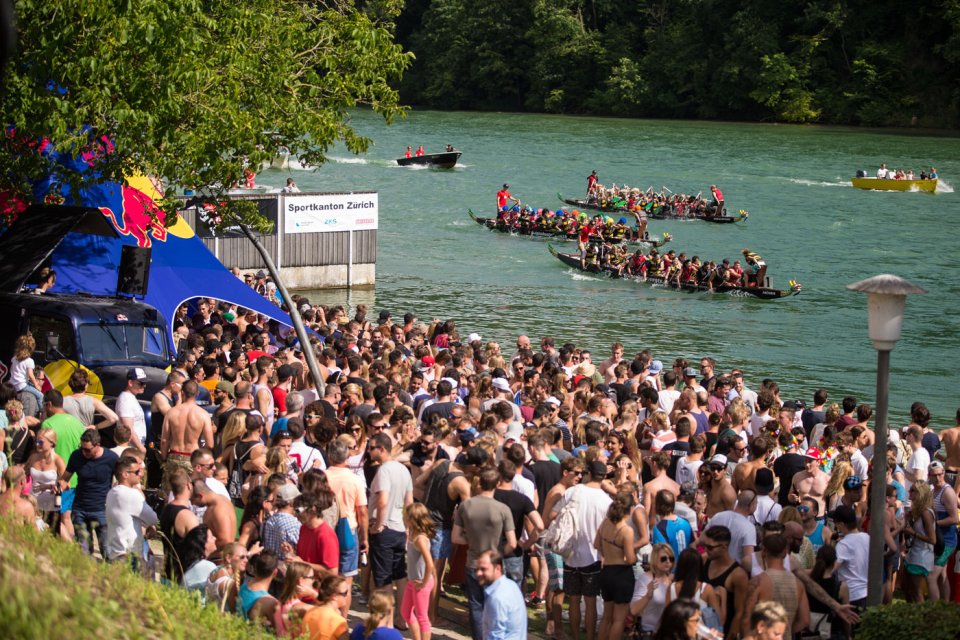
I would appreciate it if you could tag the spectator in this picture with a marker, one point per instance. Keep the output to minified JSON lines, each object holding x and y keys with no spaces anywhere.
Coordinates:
{"x":504,"y":614}
{"x":94,"y":467}
{"x":128,"y":515}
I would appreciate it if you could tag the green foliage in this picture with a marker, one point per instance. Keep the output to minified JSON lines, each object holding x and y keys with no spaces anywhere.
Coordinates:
{"x":836,"y":61}
{"x":49,"y":589}
{"x":907,"y":621}
{"x":193,"y":90}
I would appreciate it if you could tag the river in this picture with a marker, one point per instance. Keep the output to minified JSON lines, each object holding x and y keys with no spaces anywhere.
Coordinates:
{"x":805,"y":219}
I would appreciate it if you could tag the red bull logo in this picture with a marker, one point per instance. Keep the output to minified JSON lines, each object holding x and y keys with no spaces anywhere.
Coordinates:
{"x":140,"y":217}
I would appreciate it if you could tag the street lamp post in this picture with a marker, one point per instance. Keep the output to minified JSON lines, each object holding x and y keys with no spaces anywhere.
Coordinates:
{"x":886,"y":299}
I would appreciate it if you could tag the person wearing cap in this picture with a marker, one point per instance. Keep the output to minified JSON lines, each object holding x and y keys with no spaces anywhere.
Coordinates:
{"x":282,"y":525}
{"x":767,"y":508}
{"x":945,"y":511}
{"x":503,"y":197}
{"x":183,"y":427}
{"x":581,"y":570}
{"x":128,"y":408}
{"x":853,"y":553}
{"x":811,"y":482}
{"x":502,"y":394}
{"x":721,"y":495}
{"x":690,"y":380}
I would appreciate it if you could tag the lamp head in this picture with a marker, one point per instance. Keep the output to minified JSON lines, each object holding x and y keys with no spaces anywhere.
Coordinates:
{"x":886,"y":299}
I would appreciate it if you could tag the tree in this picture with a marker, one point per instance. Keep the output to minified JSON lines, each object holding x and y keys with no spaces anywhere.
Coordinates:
{"x":193,"y":91}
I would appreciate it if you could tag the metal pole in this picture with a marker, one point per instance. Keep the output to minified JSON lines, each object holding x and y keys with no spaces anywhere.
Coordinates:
{"x":878,"y":484}
{"x":307,"y":348}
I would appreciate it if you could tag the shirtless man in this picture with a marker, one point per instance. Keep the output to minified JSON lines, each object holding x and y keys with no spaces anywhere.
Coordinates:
{"x":745,"y":473}
{"x":12,"y":500}
{"x":811,"y":482}
{"x":950,"y":439}
{"x":608,"y":367}
{"x":183,"y":426}
{"x":220,"y":516}
{"x":164,"y":400}
{"x":721,"y":495}
{"x":659,"y":464}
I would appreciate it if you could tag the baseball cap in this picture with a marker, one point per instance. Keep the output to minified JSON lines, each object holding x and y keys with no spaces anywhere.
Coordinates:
{"x":428,"y":361}
{"x":501,"y":384}
{"x":227,"y":387}
{"x":384,"y":315}
{"x":466,"y":437}
{"x":763,"y":481}
{"x":453,"y":383}
{"x":474,"y":337}
{"x":288,"y":492}
{"x":136,"y":373}
{"x":597,"y":469}
{"x":656,"y":367}
{"x":552,"y":400}
{"x":814,"y":453}
{"x":844,"y":514}
{"x":853,"y":482}
{"x":690,"y":372}
{"x":719,"y":460}
{"x":475,"y":455}
{"x":936,"y":465}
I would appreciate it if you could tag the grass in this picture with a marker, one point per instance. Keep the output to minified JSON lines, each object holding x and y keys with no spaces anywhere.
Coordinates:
{"x":50,"y":589}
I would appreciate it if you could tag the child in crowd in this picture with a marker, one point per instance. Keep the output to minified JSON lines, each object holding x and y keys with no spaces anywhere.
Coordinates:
{"x":420,"y":570}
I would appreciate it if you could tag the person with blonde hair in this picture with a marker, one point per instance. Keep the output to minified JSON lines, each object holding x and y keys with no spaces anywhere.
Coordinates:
{"x":22,"y":365}
{"x":376,"y":626}
{"x":45,"y":468}
{"x":650,"y":590}
{"x":842,"y":469}
{"x":921,"y":527}
{"x":768,"y":621}
{"x":421,"y":578}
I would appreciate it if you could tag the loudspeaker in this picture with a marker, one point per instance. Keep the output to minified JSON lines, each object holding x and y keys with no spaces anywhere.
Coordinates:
{"x":134,"y":271}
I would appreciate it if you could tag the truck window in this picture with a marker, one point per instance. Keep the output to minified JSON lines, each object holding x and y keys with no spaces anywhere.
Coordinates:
{"x":41,"y":325}
{"x":122,"y":343}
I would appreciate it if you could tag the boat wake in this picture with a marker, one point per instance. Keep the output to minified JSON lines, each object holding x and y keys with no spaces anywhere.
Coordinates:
{"x":351,"y":160}
{"x":579,"y":275}
{"x":819,"y":183}
{"x":943,"y":187}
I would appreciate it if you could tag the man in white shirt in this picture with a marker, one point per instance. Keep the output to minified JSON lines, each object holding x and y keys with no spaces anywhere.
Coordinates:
{"x":128,"y":408}
{"x":882,"y":172}
{"x":128,"y":514}
{"x":743,"y":534}
{"x":581,"y":571}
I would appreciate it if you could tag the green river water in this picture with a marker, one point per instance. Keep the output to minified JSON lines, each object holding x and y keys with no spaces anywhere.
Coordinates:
{"x":805,"y":219}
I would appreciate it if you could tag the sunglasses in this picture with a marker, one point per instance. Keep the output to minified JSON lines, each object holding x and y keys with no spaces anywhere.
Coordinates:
{"x":666,"y":559}
{"x":803,"y":509}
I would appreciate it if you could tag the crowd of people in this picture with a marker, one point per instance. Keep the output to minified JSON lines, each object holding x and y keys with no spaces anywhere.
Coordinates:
{"x":669,"y":502}
{"x":883,"y":173}
{"x":664,"y":202}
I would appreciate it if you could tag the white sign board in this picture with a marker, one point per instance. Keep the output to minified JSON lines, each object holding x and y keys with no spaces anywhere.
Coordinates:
{"x":330,"y":212}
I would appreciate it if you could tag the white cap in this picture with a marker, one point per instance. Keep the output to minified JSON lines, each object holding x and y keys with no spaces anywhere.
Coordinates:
{"x":552,"y":400}
{"x":453,"y":383}
{"x":501,"y":384}
{"x":474,"y":337}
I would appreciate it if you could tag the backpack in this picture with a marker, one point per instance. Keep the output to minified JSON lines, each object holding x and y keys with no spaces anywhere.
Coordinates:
{"x":237,"y":476}
{"x":561,"y":536}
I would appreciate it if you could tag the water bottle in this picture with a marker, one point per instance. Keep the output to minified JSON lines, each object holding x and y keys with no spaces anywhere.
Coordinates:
{"x":363,"y":559}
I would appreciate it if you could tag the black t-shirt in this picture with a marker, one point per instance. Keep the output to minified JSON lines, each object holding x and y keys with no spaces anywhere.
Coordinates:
{"x":712,"y":437}
{"x":22,"y":444}
{"x":677,"y":450}
{"x":785,"y":467}
{"x":94,"y":479}
{"x":519,"y":505}
{"x":810,"y":418}
{"x":623,"y":392}
{"x":546,"y":474}
{"x":442,"y":409}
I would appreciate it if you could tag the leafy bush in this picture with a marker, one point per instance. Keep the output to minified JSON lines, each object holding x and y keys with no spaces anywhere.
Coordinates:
{"x":907,"y":621}
{"x":50,"y":589}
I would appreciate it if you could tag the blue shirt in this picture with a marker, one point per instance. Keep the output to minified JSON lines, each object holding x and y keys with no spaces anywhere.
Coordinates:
{"x":504,"y":611}
{"x":679,"y":534}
